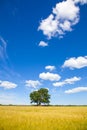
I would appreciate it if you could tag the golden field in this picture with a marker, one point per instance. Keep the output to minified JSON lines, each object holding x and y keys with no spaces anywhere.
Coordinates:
{"x":43,"y":118}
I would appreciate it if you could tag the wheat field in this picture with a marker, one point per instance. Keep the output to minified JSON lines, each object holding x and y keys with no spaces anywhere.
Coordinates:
{"x":43,"y":118}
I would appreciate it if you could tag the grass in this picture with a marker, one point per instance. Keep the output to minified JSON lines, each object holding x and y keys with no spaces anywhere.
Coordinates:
{"x":43,"y":118}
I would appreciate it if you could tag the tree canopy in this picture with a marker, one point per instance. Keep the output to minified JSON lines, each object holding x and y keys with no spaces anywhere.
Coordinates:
{"x":40,"y":97}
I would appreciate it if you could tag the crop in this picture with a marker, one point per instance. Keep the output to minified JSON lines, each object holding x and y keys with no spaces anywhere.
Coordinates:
{"x":43,"y":118}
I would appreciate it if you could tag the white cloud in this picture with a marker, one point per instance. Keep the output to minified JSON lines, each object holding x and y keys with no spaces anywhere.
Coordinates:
{"x":80,"y":1}
{"x":49,"y":26}
{"x":59,"y":84}
{"x":3,"y":45}
{"x":62,"y":13}
{"x":7,"y":84}
{"x":67,"y":81}
{"x":5,"y":63}
{"x":43,"y":44}
{"x":76,"y":90}
{"x":78,"y":62}
{"x":63,"y":17}
{"x":32,"y":83}
{"x":72,"y":80}
{"x":49,"y":76}
{"x":49,"y":67}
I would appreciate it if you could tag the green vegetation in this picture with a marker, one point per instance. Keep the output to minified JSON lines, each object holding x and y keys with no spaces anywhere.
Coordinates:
{"x":40,"y":96}
{"x":43,"y":118}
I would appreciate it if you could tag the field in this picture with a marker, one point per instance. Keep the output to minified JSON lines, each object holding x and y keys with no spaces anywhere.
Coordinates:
{"x":43,"y":118}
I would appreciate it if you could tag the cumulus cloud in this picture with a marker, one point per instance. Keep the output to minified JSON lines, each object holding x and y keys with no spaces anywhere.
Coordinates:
{"x":7,"y":85}
{"x":49,"y":76}
{"x":76,"y":90}
{"x":67,"y":81}
{"x":49,"y":67}
{"x":48,"y":26}
{"x":64,"y":16}
{"x":72,"y":80}
{"x":77,"y":63}
{"x":59,"y":84}
{"x":43,"y":44}
{"x":80,"y":1}
{"x":32,"y":83}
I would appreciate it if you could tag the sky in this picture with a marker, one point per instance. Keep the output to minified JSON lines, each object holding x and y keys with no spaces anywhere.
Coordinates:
{"x":43,"y":44}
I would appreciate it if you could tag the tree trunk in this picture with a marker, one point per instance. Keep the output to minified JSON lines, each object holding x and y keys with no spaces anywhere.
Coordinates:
{"x":38,"y":103}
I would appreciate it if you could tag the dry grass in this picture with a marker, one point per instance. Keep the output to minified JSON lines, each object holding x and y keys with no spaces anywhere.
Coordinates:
{"x":43,"y":118}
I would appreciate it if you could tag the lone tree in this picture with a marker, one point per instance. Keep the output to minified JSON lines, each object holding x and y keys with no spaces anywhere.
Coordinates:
{"x":40,"y":97}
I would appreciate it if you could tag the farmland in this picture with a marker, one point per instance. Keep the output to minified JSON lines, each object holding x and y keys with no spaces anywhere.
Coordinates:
{"x":43,"y":118}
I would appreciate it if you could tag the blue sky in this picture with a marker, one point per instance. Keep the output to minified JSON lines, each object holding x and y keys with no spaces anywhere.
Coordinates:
{"x":43,"y":44}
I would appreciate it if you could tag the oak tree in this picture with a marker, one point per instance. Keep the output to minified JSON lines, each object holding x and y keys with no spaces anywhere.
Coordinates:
{"x":40,"y":97}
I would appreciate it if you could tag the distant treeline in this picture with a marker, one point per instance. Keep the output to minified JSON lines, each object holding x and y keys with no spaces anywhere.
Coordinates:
{"x":44,"y":105}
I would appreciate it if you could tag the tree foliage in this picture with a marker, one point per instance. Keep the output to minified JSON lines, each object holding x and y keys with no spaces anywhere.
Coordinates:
{"x":40,"y":97}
